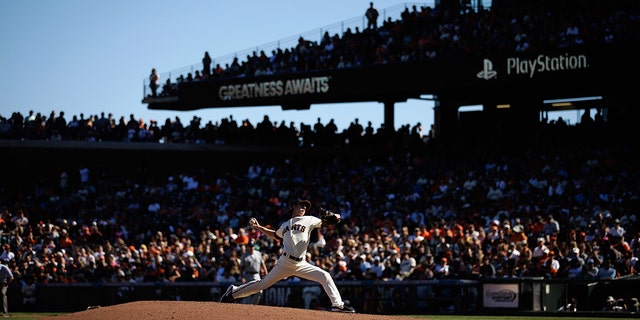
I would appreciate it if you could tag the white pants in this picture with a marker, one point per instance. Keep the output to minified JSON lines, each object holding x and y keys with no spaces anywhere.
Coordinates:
{"x":286,"y":267}
{"x":5,"y":302}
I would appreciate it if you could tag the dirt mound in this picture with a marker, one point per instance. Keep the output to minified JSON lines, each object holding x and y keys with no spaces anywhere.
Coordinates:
{"x":175,"y":310}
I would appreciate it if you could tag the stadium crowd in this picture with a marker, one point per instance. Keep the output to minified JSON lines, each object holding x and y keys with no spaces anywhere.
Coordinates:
{"x":442,"y":32}
{"x":536,"y":210}
{"x":567,"y":212}
{"x":226,"y":131}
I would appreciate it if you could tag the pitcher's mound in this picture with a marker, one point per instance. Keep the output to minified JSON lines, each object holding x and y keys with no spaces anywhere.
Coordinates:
{"x":178,"y":310}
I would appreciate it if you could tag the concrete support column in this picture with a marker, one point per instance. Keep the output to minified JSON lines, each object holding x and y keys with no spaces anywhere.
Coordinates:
{"x":389,"y":115}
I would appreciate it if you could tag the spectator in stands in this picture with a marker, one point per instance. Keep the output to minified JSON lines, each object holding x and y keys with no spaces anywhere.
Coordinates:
{"x":8,"y":229}
{"x":168,"y":89}
{"x":589,"y":271}
{"x":377,"y":268}
{"x":575,"y":265}
{"x":487,"y":269}
{"x":616,"y":229}
{"x":7,"y":254}
{"x":442,"y":268}
{"x":607,"y":271}
{"x":551,"y":226}
{"x":407,"y":265}
{"x":586,"y":120}
{"x":84,"y":173}
{"x":550,"y":265}
{"x":598,"y":119}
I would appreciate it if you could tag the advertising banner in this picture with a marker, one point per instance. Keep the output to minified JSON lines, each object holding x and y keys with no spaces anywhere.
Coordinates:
{"x":500,"y":295}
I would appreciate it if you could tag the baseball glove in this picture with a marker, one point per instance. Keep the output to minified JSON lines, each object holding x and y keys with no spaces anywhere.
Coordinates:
{"x":329,"y":217}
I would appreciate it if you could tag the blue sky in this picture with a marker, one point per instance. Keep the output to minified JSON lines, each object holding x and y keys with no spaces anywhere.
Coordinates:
{"x":86,"y":56}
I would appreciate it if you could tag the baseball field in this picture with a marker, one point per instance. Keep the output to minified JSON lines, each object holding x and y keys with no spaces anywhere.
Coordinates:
{"x":177,"y":310}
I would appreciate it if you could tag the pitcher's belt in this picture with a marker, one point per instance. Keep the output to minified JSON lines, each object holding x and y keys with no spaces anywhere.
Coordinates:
{"x":292,"y":257}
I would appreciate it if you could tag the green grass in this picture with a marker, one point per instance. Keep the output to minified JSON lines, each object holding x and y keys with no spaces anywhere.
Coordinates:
{"x":31,"y":315}
{"x":487,"y":317}
{"x":40,"y":315}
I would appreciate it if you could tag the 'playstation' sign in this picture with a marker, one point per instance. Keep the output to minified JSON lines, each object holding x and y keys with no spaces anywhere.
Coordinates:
{"x":540,"y":64}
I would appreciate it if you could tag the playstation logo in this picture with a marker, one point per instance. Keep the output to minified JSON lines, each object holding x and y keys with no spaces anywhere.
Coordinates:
{"x":487,"y":72}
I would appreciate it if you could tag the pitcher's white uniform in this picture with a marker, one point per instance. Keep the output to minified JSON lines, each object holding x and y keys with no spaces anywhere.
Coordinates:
{"x":294,"y":235}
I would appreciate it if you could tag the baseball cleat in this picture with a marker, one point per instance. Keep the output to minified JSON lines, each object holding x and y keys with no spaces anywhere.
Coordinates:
{"x":227,"y":297}
{"x":345,"y":309}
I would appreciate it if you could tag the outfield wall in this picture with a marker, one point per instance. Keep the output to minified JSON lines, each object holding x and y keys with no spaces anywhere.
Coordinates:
{"x":449,"y":296}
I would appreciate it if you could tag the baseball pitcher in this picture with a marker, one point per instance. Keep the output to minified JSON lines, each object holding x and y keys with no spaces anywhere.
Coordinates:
{"x":294,"y":236}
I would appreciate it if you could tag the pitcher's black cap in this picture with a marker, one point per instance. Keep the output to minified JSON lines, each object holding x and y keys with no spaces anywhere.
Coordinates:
{"x":306,"y":203}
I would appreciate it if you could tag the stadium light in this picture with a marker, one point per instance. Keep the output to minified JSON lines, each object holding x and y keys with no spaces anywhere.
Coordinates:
{"x":562,"y":104}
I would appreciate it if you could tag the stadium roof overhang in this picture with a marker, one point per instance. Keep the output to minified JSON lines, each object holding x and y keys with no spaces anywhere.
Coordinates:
{"x":460,"y":79}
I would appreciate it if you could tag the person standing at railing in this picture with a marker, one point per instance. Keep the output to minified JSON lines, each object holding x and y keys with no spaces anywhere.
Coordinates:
{"x":372,"y":16}
{"x":206,"y":65}
{"x":154,"y":82}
